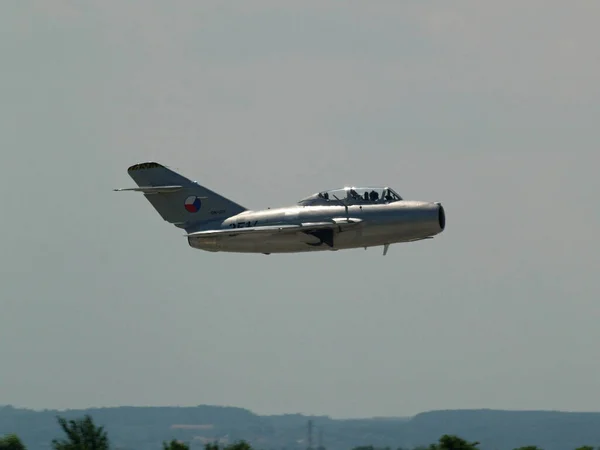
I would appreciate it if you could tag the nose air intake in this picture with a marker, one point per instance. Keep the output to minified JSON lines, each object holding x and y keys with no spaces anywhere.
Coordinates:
{"x":441,"y":216}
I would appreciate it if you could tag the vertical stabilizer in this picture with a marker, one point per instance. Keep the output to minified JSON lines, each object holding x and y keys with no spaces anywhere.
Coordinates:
{"x":178,"y":200}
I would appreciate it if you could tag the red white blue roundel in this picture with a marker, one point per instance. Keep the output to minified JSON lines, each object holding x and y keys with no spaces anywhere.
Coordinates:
{"x":192,"y":204}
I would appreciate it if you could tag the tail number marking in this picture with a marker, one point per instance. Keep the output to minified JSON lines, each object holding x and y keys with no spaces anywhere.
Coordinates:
{"x":243,"y":224}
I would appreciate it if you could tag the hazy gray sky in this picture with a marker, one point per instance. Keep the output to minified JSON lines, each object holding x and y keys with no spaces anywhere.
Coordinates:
{"x":489,"y":107}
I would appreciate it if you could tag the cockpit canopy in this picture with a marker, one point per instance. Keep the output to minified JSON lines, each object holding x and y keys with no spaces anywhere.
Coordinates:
{"x":352,"y":196}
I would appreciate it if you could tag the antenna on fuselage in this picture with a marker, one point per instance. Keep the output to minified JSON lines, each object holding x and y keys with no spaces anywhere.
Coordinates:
{"x":344,"y":205}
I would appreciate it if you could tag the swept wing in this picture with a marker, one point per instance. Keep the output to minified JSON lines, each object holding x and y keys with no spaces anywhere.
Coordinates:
{"x":269,"y":230}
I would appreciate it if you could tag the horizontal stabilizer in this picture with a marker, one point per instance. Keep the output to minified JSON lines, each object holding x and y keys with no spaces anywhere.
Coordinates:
{"x":152,"y":189}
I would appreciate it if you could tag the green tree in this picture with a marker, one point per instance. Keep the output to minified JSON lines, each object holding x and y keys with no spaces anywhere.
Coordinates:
{"x":583,"y":447}
{"x":530,"y":447}
{"x":451,"y":442}
{"x":239,"y":445}
{"x":175,"y":445}
{"x":11,"y":442}
{"x":82,"y":434}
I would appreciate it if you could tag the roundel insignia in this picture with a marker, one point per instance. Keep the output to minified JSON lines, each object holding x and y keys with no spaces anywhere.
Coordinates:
{"x":192,"y":204}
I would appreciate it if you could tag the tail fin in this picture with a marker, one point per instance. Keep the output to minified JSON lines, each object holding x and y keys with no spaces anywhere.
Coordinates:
{"x":179,"y":201}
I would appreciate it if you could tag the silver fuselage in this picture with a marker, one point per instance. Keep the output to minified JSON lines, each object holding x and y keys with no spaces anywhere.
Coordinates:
{"x":380,"y":224}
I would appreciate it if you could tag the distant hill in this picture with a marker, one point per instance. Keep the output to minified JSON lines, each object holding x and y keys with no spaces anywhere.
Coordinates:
{"x":144,"y":428}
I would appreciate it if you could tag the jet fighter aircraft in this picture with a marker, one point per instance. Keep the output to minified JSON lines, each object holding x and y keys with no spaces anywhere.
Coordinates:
{"x":345,"y":218}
